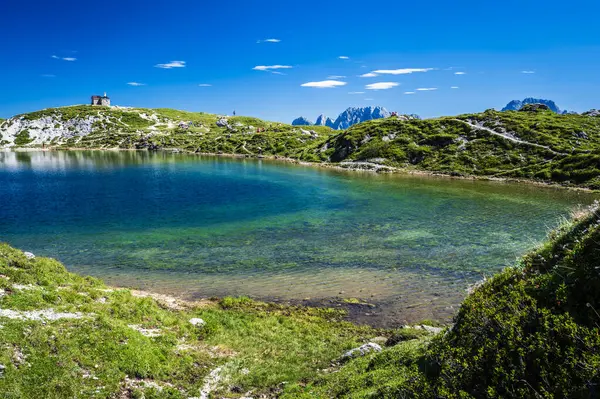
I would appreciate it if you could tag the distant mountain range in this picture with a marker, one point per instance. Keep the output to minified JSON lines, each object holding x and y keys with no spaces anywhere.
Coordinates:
{"x":516,"y":105}
{"x":349,"y":117}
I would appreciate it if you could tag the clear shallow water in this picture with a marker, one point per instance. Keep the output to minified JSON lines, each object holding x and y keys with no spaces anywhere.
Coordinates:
{"x":205,"y":226}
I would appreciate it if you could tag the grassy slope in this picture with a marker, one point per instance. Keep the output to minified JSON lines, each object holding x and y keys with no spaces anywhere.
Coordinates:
{"x":533,"y":331}
{"x":449,"y":145}
{"x":445,"y":145}
{"x":258,"y":345}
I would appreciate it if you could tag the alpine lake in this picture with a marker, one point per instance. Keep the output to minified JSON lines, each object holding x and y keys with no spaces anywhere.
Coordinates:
{"x":390,"y":248}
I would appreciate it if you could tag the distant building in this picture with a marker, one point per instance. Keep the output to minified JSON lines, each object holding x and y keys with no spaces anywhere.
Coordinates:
{"x":101,"y":100}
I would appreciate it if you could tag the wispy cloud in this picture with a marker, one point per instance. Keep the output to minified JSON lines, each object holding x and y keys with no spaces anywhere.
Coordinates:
{"x":454,"y":87}
{"x":426,"y":88}
{"x":324,"y":84}
{"x":402,"y":71}
{"x":460,"y":73}
{"x":409,"y":92}
{"x":528,"y":72}
{"x":335,"y":77}
{"x":48,"y":75}
{"x":170,"y":65}
{"x":381,"y":85}
{"x":277,"y":73}
{"x":368,"y":99}
{"x":270,"y":67}
{"x":56,"y":57}
{"x":356,"y":92}
{"x":343,"y":57}
{"x":204,"y":85}
{"x":268,"y":41}
{"x":136,"y":84}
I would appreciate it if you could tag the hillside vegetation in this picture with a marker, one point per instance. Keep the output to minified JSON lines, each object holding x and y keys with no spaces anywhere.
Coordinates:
{"x":533,"y":331}
{"x":533,"y":143}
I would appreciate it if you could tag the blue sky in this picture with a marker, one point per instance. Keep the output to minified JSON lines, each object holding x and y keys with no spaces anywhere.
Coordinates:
{"x":211,"y":56}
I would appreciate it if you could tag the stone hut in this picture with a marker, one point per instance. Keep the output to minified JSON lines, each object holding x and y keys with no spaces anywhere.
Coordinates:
{"x":101,"y":100}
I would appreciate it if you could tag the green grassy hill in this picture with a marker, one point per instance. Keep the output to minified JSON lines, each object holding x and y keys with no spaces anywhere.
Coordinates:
{"x":532,"y":144}
{"x":533,"y":331}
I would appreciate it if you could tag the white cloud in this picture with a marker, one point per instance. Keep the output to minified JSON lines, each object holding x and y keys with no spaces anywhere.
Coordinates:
{"x":460,"y":73}
{"x":427,"y":88}
{"x":528,"y":72}
{"x":324,"y":84}
{"x":368,"y":75}
{"x":47,"y":75}
{"x":368,"y":99}
{"x":454,"y":87}
{"x":381,"y":85}
{"x":404,"y":71}
{"x":172,"y":64}
{"x":335,"y":77}
{"x":268,"y":41}
{"x":270,"y":67}
{"x":356,"y":92}
{"x":343,"y":57}
{"x":136,"y":84}
{"x":277,"y":73}
{"x":204,"y":85}
{"x":409,"y":92}
{"x":56,"y":57}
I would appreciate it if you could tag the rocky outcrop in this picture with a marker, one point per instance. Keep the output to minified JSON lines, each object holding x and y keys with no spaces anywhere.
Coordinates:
{"x":354,"y":115}
{"x":516,"y":105}
{"x":349,"y":117}
{"x":592,"y":112}
{"x":534,"y":108}
{"x":302,"y":121}
{"x":360,"y":351}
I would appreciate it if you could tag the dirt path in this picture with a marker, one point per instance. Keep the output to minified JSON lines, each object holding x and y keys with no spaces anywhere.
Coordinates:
{"x":508,"y":136}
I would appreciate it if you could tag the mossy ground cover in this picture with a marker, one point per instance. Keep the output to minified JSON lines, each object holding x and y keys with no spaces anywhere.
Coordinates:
{"x":96,"y":342}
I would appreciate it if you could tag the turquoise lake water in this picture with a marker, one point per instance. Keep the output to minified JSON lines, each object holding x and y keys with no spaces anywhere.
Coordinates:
{"x":206,"y":226}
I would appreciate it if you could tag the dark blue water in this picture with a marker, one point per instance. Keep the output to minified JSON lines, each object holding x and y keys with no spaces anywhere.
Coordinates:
{"x":202,"y":226}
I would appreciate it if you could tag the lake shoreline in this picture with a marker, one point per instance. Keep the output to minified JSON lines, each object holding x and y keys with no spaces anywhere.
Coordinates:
{"x":368,"y":167}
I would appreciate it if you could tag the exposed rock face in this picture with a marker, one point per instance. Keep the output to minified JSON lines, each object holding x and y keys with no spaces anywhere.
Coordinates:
{"x":534,"y":108}
{"x":321,"y":120}
{"x":592,"y":112}
{"x":349,"y":117}
{"x":45,"y":129}
{"x":302,"y":121}
{"x":354,"y":115}
{"x":516,"y":105}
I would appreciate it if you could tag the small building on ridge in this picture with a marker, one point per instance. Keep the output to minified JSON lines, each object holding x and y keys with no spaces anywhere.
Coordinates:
{"x":101,"y":100}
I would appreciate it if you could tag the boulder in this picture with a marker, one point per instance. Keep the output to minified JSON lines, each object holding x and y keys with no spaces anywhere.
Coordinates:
{"x":197,"y":322}
{"x":222,"y":123}
{"x":29,"y":255}
{"x":361,"y":351}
